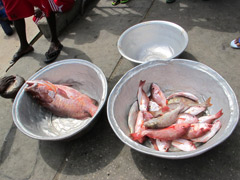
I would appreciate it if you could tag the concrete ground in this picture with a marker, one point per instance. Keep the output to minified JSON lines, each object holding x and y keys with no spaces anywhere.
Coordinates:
{"x":99,"y":154}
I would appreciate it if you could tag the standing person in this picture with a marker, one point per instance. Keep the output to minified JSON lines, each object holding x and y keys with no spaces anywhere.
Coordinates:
{"x":5,"y":23}
{"x":17,"y":10}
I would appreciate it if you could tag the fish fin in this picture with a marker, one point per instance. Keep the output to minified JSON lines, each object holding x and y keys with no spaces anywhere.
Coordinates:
{"x":142,"y":82}
{"x":219,"y":114}
{"x":153,"y":141}
{"x":137,"y":137}
{"x":62,"y":93}
{"x":208,"y":102}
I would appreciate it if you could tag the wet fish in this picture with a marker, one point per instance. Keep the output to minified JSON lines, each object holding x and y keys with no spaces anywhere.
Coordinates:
{"x":210,"y":118}
{"x":158,"y":96}
{"x":62,"y":101}
{"x":197,"y":129}
{"x":184,"y":145}
{"x":163,"y":146}
{"x":197,"y":109}
{"x":215,"y":127}
{"x":153,"y":106}
{"x":147,"y":116}
{"x":132,"y":116}
{"x":165,"y":120}
{"x":154,"y":143}
{"x":143,"y":99}
{"x":172,"y":132}
{"x":139,"y":127}
{"x":186,"y":118}
{"x":183,"y":94}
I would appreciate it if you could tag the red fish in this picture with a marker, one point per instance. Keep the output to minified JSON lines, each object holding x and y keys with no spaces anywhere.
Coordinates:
{"x":215,"y":127}
{"x":172,"y":132}
{"x":163,"y":146}
{"x":197,"y":129}
{"x":184,"y":145}
{"x":210,"y":118}
{"x":186,"y":118}
{"x":61,"y":100}
{"x":143,"y":99}
{"x":197,"y":109}
{"x":159,"y":97}
{"x":139,"y":127}
{"x":184,"y":94}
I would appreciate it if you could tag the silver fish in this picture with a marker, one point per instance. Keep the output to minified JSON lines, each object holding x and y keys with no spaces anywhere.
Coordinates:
{"x":165,"y":120}
{"x":132,"y":116}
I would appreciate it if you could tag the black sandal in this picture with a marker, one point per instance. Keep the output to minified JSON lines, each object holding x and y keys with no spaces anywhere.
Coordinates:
{"x":51,"y":55}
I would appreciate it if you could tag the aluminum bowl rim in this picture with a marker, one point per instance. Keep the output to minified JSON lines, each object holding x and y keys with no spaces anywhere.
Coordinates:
{"x":151,"y":22}
{"x":48,"y":67}
{"x":173,"y":155}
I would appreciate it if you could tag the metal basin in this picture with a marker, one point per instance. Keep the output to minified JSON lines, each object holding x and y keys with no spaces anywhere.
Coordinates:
{"x":38,"y":123}
{"x":152,"y":40}
{"x":171,"y":76}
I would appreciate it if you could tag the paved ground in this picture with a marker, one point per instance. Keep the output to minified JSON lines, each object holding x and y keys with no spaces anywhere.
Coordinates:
{"x":99,"y":154}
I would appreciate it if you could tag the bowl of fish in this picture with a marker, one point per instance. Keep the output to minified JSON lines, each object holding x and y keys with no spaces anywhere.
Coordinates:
{"x":152,"y":40}
{"x":60,"y":101}
{"x":172,"y":109}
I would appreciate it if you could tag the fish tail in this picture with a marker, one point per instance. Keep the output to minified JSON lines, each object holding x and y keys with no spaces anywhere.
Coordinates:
{"x":208,"y":102}
{"x":219,"y":114}
{"x":137,"y":137}
{"x":93,"y":110}
{"x":142,"y":83}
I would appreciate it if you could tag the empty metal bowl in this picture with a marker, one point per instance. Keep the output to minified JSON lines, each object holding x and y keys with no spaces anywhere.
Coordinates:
{"x":152,"y":40}
{"x":173,"y":76}
{"x":38,"y":123}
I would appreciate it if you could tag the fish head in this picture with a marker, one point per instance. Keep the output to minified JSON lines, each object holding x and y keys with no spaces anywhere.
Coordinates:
{"x":154,"y":88}
{"x":42,"y":90}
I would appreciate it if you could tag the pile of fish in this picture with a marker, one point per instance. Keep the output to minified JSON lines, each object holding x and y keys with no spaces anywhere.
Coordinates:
{"x":62,"y":100}
{"x":178,"y":122}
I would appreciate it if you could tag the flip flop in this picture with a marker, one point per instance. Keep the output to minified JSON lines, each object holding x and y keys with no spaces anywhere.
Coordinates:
{"x":123,"y":1}
{"x":170,"y":1}
{"x":115,"y":2}
{"x":53,"y":55}
{"x":234,"y":45}
{"x":20,"y":54}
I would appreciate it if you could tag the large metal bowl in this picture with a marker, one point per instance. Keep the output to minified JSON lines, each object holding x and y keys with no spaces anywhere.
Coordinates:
{"x":152,"y":40}
{"x":38,"y":123}
{"x":173,"y":75}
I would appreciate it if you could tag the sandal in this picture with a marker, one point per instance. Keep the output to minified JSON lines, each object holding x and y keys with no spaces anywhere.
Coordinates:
{"x":115,"y":2}
{"x":123,"y":1}
{"x":20,"y":54}
{"x":53,"y":52}
{"x":170,"y":1}
{"x":235,"y":43}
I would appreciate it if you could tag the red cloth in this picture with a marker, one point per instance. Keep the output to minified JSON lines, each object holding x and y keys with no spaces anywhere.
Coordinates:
{"x":18,"y":9}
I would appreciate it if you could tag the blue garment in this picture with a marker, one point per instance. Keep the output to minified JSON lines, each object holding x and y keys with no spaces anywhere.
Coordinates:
{"x":5,"y":24}
{"x":2,"y":10}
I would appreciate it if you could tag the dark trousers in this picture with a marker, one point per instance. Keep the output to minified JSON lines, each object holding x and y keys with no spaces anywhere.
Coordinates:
{"x":6,"y":27}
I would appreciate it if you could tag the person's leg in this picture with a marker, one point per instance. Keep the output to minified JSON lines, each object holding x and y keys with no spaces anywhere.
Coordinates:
{"x":24,"y":46}
{"x":55,"y":46}
{"x":6,"y":27}
{"x":21,"y":31}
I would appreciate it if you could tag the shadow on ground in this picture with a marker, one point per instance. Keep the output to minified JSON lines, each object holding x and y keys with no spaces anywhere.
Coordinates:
{"x":213,"y":164}
{"x":87,"y":154}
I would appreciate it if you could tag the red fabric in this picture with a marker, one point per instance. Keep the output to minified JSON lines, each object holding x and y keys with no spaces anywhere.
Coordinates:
{"x":18,"y":9}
